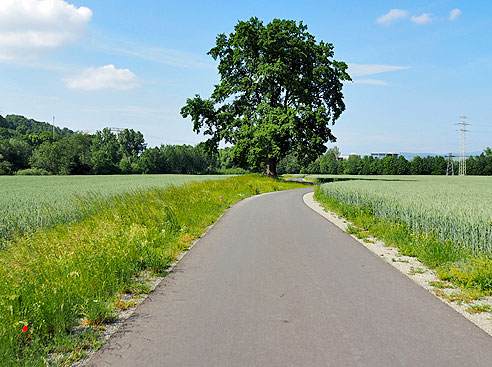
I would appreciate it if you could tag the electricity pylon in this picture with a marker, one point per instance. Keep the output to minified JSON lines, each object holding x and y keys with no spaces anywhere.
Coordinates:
{"x":463,"y":124}
{"x":116,"y":130}
{"x":450,"y":167}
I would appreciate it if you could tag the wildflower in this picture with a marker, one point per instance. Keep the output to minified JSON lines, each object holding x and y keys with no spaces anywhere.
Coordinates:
{"x":220,"y":197}
{"x":24,"y":329}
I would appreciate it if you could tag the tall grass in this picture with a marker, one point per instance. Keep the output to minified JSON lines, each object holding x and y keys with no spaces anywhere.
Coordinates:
{"x":54,"y":279}
{"x":31,"y":202}
{"x":383,"y":214}
{"x":457,"y":209}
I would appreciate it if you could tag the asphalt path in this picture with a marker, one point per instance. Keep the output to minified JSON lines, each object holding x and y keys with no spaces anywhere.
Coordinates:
{"x":275,"y":284}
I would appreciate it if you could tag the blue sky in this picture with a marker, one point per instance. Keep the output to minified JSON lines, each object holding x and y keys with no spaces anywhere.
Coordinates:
{"x":416,"y":65}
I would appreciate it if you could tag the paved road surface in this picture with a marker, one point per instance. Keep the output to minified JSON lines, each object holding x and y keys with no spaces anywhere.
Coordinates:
{"x":275,"y":284}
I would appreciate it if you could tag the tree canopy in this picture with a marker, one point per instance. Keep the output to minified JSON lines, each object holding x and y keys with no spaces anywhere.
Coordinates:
{"x":279,"y":91}
{"x":33,"y":147}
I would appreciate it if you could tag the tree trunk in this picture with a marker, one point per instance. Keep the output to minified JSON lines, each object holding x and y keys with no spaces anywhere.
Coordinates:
{"x":271,"y":167}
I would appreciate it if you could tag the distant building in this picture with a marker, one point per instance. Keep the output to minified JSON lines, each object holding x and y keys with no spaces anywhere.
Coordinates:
{"x":344,"y":157}
{"x":380,"y":155}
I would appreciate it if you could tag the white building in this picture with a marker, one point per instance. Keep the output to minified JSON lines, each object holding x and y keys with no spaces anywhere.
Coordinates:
{"x":380,"y":155}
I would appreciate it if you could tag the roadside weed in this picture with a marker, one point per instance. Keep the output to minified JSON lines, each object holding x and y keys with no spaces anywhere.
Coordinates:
{"x":464,"y":295}
{"x":440,"y":284}
{"x":479,"y":308}
{"x":414,"y":271}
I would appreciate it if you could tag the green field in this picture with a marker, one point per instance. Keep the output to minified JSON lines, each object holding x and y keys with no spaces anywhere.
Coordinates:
{"x":30,"y":202}
{"x":455,"y":208}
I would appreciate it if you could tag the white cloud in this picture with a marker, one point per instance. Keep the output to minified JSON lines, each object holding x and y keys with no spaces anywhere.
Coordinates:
{"x":370,"y":81}
{"x":422,"y":19}
{"x":371,"y":69}
{"x":391,"y":16}
{"x":453,"y":14}
{"x":104,"y":77}
{"x":28,"y":27}
{"x":356,"y":70}
{"x":170,"y":57}
{"x":165,"y":56}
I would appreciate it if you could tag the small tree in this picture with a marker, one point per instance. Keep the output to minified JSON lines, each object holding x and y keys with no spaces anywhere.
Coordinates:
{"x":279,"y":90}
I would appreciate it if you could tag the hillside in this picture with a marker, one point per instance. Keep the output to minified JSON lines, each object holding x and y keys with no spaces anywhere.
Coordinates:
{"x":16,"y":125}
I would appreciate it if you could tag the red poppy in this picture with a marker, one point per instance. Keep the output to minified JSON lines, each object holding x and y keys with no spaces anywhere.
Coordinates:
{"x":24,"y":329}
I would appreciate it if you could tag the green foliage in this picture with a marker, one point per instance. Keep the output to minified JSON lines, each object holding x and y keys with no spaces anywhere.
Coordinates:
{"x":32,"y":172}
{"x":152,"y":161}
{"x":354,"y":165}
{"x":28,"y":143}
{"x":105,"y":153}
{"x":17,"y":126}
{"x":479,"y":308}
{"x":367,"y":165}
{"x":480,"y":165}
{"x":66,"y":155}
{"x":279,"y":90}
{"x":232,"y":171}
{"x":35,"y":140}
{"x":183,"y":158}
{"x":49,"y":157}
{"x":67,"y":276}
{"x":177,"y":159}
{"x":131,"y":143}
{"x":289,"y":164}
{"x":15,"y":152}
{"x":475,"y":272}
{"x":5,"y":166}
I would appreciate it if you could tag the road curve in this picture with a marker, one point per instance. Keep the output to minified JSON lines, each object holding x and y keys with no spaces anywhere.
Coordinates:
{"x":275,"y":284}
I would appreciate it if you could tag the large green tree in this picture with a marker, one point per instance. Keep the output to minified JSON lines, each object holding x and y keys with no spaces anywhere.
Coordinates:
{"x":105,"y":153}
{"x":132,"y":143}
{"x":15,"y":151}
{"x":279,"y":91}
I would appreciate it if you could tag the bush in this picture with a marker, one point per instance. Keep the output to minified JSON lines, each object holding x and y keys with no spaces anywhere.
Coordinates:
{"x":5,"y":167}
{"x":32,"y":172}
{"x":232,"y":171}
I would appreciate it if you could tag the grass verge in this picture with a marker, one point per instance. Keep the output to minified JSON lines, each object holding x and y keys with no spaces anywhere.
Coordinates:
{"x":55,"y":280}
{"x":452,"y":263}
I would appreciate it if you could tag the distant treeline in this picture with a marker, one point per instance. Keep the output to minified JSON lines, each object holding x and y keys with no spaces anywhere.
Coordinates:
{"x":329,"y":163}
{"x":33,"y":147}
